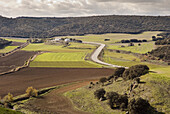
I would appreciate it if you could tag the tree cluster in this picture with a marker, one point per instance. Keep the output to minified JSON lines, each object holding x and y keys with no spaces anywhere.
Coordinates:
{"x":43,"y":27}
{"x":130,"y":73}
{"x":165,"y":41}
{"x":4,"y":43}
{"x":116,"y":100}
{"x":133,"y":40}
{"x":138,"y":106}
{"x":135,"y":71}
{"x":162,"y":53}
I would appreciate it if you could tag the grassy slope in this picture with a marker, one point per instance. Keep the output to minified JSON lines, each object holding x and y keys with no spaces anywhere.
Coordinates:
{"x":7,"y":49}
{"x":114,"y":37}
{"x":8,"y":111}
{"x":155,"y":90}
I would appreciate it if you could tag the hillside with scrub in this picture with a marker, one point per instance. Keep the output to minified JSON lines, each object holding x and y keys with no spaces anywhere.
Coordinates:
{"x":45,"y":27}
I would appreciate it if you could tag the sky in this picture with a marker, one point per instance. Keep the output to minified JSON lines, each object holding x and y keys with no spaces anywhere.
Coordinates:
{"x":74,"y":8}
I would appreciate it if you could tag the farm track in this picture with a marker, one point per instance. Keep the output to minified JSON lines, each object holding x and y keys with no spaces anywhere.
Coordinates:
{"x":17,"y":82}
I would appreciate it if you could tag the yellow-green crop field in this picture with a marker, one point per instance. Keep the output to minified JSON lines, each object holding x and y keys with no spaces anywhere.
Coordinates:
{"x":63,"y":60}
{"x":58,"y":48}
{"x":7,"y":49}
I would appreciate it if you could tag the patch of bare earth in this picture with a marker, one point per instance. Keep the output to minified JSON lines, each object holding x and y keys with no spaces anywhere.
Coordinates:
{"x":16,"y":43}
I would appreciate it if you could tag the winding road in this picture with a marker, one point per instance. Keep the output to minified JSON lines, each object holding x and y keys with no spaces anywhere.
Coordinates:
{"x":94,"y":56}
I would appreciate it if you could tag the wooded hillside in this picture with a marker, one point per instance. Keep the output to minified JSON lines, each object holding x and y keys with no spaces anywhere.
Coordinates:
{"x":48,"y":27}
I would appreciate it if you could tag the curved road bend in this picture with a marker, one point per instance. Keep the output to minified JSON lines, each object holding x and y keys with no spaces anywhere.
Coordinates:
{"x":96,"y":53}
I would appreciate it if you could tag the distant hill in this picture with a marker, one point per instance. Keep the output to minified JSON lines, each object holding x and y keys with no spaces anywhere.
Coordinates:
{"x":48,"y":27}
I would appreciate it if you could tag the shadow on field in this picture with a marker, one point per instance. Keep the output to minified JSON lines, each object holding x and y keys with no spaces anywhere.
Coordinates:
{"x":154,"y":111}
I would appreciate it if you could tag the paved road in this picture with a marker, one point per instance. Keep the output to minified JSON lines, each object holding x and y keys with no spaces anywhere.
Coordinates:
{"x":96,"y":53}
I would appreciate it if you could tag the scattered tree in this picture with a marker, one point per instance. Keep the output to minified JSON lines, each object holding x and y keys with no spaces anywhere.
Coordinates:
{"x":116,"y":100}
{"x":31,"y":92}
{"x":8,"y":98}
{"x":103,"y":80}
{"x":119,"y":71}
{"x":99,"y":93}
{"x":135,"y":71}
{"x":138,"y":106}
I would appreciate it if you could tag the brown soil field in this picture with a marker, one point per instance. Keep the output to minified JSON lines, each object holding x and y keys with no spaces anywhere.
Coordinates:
{"x":16,"y":43}
{"x":16,"y":83}
{"x":14,"y":60}
{"x":54,"y":102}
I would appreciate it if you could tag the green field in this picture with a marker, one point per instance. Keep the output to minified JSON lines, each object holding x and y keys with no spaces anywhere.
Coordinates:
{"x":63,"y":60}
{"x":52,"y":57}
{"x":16,"y":39}
{"x":114,"y":37}
{"x":7,"y":49}
{"x":58,"y":48}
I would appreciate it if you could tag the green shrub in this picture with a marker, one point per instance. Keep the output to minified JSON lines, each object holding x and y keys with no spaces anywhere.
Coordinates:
{"x":135,"y":71}
{"x":137,"y":79}
{"x":138,"y":106}
{"x":116,"y":100}
{"x":31,"y":92}
{"x":8,"y":98}
{"x":103,"y":80}
{"x":119,"y":71}
{"x":99,"y":93}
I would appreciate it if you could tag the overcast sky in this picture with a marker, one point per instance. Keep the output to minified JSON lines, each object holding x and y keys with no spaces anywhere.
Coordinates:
{"x":66,"y":8}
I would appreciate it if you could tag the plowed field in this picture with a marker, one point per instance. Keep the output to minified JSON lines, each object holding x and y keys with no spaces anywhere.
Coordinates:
{"x":16,"y":83}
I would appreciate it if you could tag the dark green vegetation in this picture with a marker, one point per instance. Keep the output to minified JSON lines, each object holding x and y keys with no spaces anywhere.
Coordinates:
{"x":162,"y":53}
{"x":4,"y":43}
{"x":8,"y":111}
{"x":43,"y":27}
{"x":165,"y":40}
{"x":135,"y":71}
{"x":139,"y":106}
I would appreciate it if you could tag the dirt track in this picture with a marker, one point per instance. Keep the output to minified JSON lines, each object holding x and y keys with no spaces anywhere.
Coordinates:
{"x":17,"y":82}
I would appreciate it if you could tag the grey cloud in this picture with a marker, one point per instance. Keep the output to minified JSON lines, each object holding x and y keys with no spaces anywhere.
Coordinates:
{"x":83,"y":7}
